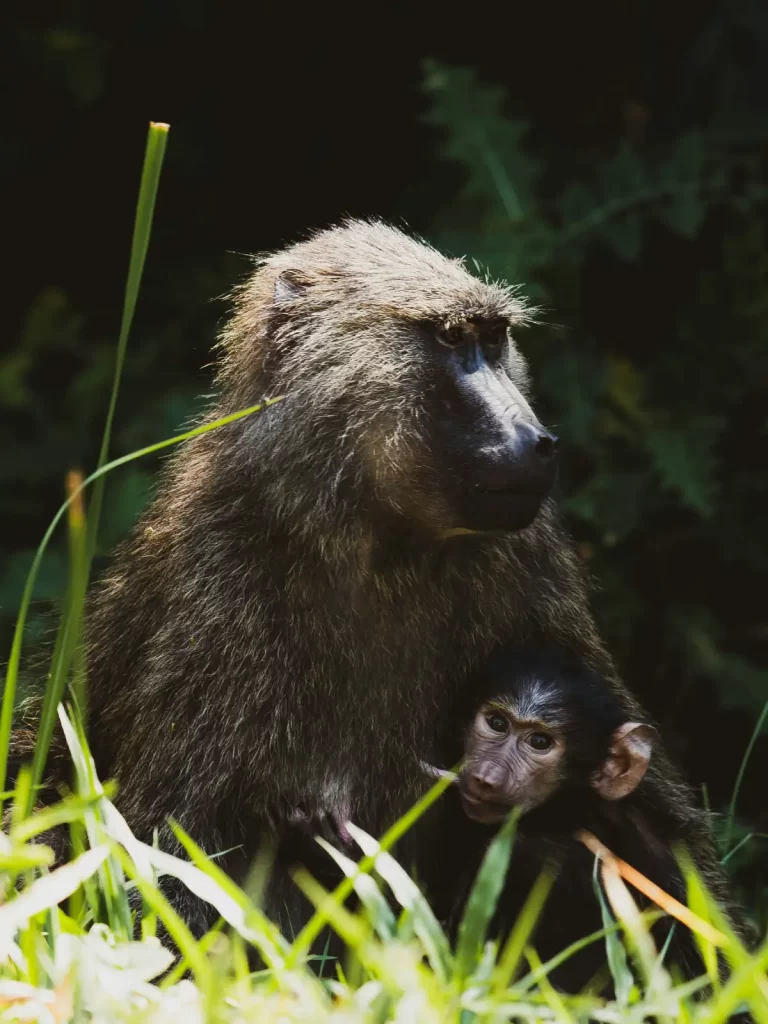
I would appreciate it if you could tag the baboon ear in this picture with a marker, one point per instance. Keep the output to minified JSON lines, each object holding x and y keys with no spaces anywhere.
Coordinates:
{"x":628,"y":757}
{"x":289,"y":285}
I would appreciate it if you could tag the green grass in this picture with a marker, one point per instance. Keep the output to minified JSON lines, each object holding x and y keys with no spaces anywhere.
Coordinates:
{"x":71,"y":948}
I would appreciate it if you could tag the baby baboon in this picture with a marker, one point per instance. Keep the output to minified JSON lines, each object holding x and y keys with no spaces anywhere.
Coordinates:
{"x":551,"y":738}
{"x":289,"y":624}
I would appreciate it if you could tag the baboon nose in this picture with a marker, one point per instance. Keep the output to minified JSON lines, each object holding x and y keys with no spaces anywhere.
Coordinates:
{"x":547,"y":445}
{"x":485,"y":784}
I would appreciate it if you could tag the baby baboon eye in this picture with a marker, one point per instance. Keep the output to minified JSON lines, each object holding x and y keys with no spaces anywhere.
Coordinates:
{"x":540,"y":741}
{"x":497,"y":722}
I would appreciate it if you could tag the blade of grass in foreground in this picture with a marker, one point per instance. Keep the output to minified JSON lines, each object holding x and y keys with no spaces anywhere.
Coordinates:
{"x":409,"y":896}
{"x":483,"y":898}
{"x":68,"y":637}
{"x":523,"y":929}
{"x":303,"y":941}
{"x":142,"y":228}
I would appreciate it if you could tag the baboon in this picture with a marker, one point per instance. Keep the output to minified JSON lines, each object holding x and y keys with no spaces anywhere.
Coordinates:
{"x":548,"y":736}
{"x":290,"y":622}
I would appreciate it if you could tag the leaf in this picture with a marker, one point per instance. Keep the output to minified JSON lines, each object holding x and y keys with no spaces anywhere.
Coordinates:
{"x":577,"y":203}
{"x":684,"y":214}
{"x":574,"y":380}
{"x":482,"y":138}
{"x":615,"y":502}
{"x":50,"y":583}
{"x":523,"y":928}
{"x":626,"y":386}
{"x":47,"y":892}
{"x":624,"y":175}
{"x":409,"y":896}
{"x":379,"y":911}
{"x":624,"y":235}
{"x":740,"y":683}
{"x":685,"y":164}
{"x":206,"y":879}
{"x":685,"y":462}
{"x":483,"y":898}
{"x":615,"y":953}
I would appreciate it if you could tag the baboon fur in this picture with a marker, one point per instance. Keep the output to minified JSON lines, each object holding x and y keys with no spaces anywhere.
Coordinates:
{"x":292,"y":621}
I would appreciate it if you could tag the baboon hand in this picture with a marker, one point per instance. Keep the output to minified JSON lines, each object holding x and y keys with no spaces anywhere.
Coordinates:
{"x":330,"y":823}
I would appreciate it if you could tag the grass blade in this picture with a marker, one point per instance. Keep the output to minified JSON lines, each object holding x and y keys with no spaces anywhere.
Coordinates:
{"x":303,"y":941}
{"x":742,"y":771}
{"x":523,"y":929}
{"x":483,"y":898}
{"x":69,"y":632}
{"x":142,"y":228}
{"x":46,"y":892}
{"x":615,"y":953}
{"x":371,"y":896}
{"x":409,"y":896}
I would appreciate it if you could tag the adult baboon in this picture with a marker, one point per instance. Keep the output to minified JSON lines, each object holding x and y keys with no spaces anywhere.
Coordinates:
{"x":289,"y":623}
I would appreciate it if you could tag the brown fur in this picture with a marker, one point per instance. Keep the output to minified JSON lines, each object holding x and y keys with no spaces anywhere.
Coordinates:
{"x":287,"y":624}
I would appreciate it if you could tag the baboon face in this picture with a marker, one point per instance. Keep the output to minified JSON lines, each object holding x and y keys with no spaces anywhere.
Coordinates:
{"x":406,"y":394}
{"x":495,"y":462}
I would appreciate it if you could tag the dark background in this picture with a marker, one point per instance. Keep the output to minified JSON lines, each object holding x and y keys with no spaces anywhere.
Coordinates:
{"x":609,"y":156}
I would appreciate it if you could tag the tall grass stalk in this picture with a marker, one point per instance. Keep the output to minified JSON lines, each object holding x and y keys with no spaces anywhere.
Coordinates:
{"x":142,"y":229}
{"x":740,"y":777}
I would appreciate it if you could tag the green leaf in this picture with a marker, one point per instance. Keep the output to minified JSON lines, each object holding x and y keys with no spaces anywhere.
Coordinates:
{"x":614,"y":502}
{"x":482,"y":138}
{"x":685,"y":461}
{"x":523,"y":928}
{"x":624,"y":175}
{"x":409,"y":896}
{"x":372,"y":898}
{"x":685,"y":164}
{"x":483,"y":898}
{"x":684,"y":214}
{"x":576,"y":204}
{"x":740,"y":683}
{"x":616,"y":955}
{"x":47,"y":892}
{"x":51,"y":579}
{"x":574,"y":381}
{"x":624,"y":235}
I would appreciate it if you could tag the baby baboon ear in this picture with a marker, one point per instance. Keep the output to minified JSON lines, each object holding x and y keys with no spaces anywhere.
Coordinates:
{"x":289,"y":285}
{"x":628,"y":757}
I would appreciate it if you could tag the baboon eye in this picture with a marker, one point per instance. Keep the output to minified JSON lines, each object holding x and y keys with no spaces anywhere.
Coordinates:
{"x":494,"y":344}
{"x":497,"y":722}
{"x":450,"y":336}
{"x":540,"y":741}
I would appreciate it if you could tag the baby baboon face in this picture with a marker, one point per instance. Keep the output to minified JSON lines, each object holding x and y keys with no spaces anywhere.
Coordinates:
{"x":550,"y":724}
{"x":498,"y":462}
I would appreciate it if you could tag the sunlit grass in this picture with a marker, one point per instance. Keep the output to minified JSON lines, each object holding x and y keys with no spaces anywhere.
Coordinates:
{"x":74,"y":946}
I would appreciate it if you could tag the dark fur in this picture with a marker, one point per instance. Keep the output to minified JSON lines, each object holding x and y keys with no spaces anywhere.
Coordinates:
{"x":288,"y":622}
{"x":643,"y":828}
